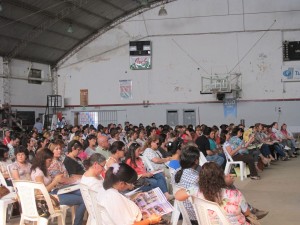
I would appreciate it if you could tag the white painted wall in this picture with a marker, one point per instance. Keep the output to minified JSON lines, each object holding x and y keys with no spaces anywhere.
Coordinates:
{"x":196,"y":38}
{"x":26,"y":96}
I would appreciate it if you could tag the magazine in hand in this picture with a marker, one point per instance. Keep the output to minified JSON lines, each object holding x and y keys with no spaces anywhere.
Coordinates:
{"x":152,"y":202}
{"x":68,"y":188}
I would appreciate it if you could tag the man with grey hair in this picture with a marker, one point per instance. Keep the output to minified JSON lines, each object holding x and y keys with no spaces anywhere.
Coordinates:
{"x":103,"y":146}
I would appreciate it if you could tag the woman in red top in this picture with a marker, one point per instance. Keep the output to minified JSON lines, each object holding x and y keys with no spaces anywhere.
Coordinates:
{"x":134,"y":160}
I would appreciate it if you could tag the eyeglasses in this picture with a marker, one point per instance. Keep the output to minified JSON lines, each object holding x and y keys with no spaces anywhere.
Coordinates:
{"x":101,"y":165}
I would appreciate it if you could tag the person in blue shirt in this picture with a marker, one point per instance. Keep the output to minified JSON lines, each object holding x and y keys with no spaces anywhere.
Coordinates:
{"x":174,"y":149}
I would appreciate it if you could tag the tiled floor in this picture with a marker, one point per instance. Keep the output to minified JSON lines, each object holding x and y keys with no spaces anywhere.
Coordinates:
{"x":277,"y":192}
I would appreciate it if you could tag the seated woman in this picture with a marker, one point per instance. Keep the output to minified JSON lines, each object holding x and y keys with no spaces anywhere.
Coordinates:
{"x":259,"y":139}
{"x":39,"y":173}
{"x":72,"y":163}
{"x":188,"y":176}
{"x":117,"y":150}
{"x":212,"y":187}
{"x":116,"y":208}
{"x":20,"y":169}
{"x":92,"y":177}
{"x":174,"y":149}
{"x":155,"y":157}
{"x":4,"y":162}
{"x":134,"y":160}
{"x":236,"y":155}
{"x":90,"y":144}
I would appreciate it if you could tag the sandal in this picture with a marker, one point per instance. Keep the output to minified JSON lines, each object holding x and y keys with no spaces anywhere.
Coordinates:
{"x":255,"y":177}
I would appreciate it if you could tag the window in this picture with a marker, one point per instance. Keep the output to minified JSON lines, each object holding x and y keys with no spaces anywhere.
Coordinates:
{"x":34,"y":73}
{"x":90,"y":118}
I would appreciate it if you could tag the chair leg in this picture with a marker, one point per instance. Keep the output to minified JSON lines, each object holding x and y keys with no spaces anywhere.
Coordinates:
{"x":22,"y":221}
{"x":227,"y":168}
{"x":61,"y":220}
{"x":175,"y":214}
{"x":42,"y":221}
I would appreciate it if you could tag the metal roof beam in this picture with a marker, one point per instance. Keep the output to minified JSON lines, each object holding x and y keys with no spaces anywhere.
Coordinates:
{"x":113,"y":5}
{"x":48,"y":14}
{"x":32,"y":27}
{"x":33,"y":43}
{"x":72,"y":3}
{"x":35,"y":32}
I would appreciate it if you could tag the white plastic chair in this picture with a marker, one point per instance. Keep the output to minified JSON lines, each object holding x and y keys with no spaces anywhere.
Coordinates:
{"x":230,"y":163}
{"x":26,"y":192}
{"x":94,"y":216}
{"x":179,"y":208}
{"x":202,"y":159}
{"x":202,"y":207}
{"x":6,"y":202}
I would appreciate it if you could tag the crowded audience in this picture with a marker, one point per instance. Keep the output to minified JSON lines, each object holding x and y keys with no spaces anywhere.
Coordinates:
{"x":109,"y":160}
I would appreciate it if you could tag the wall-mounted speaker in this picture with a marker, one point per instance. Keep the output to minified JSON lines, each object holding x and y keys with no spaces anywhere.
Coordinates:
{"x":220,"y":96}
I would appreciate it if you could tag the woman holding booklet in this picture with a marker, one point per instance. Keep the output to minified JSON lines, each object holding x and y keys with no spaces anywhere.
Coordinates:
{"x":39,"y":173}
{"x":134,"y":160}
{"x":115,"y":208}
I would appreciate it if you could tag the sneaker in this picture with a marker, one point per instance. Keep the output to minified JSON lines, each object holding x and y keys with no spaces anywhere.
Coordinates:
{"x":255,"y":177}
{"x":287,"y":148}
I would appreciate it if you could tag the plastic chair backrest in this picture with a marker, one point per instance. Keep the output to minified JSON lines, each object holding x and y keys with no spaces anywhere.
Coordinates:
{"x":2,"y":180}
{"x":26,"y":191}
{"x":227,"y":155}
{"x":90,"y":206}
{"x":9,"y":170}
{"x":202,"y":207}
{"x":202,"y":159}
{"x":147,"y":163}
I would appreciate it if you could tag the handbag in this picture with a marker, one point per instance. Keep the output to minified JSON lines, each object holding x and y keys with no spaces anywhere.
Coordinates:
{"x":3,"y":191}
{"x":252,"y":219}
{"x":42,"y":206}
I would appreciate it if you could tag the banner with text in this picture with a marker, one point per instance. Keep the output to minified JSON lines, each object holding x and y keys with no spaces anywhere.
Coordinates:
{"x":230,"y":107}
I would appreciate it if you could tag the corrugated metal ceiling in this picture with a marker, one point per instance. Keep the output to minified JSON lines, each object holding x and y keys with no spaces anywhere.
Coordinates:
{"x":36,"y":30}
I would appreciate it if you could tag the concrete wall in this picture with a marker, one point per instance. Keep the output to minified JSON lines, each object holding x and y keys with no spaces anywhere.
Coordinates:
{"x":195,"y":39}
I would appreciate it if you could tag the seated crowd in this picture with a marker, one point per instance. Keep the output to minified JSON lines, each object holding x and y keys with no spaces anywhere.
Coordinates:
{"x":109,"y":160}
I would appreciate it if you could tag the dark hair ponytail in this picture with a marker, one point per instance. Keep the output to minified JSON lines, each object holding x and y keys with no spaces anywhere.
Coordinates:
{"x":119,"y":172}
{"x":178,"y":175}
{"x":188,"y":157}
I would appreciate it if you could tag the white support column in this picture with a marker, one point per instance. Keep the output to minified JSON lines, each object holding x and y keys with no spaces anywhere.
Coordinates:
{"x":1,"y":83}
{"x":6,"y":83}
{"x":54,"y":81}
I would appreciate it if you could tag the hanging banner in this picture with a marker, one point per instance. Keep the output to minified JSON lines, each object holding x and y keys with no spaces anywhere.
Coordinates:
{"x":125,"y":89}
{"x":290,"y":73}
{"x":230,"y":107}
{"x":84,"y":97}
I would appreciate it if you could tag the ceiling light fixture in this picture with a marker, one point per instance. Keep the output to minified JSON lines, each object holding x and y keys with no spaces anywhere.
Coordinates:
{"x":70,"y":28}
{"x":162,"y":11}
